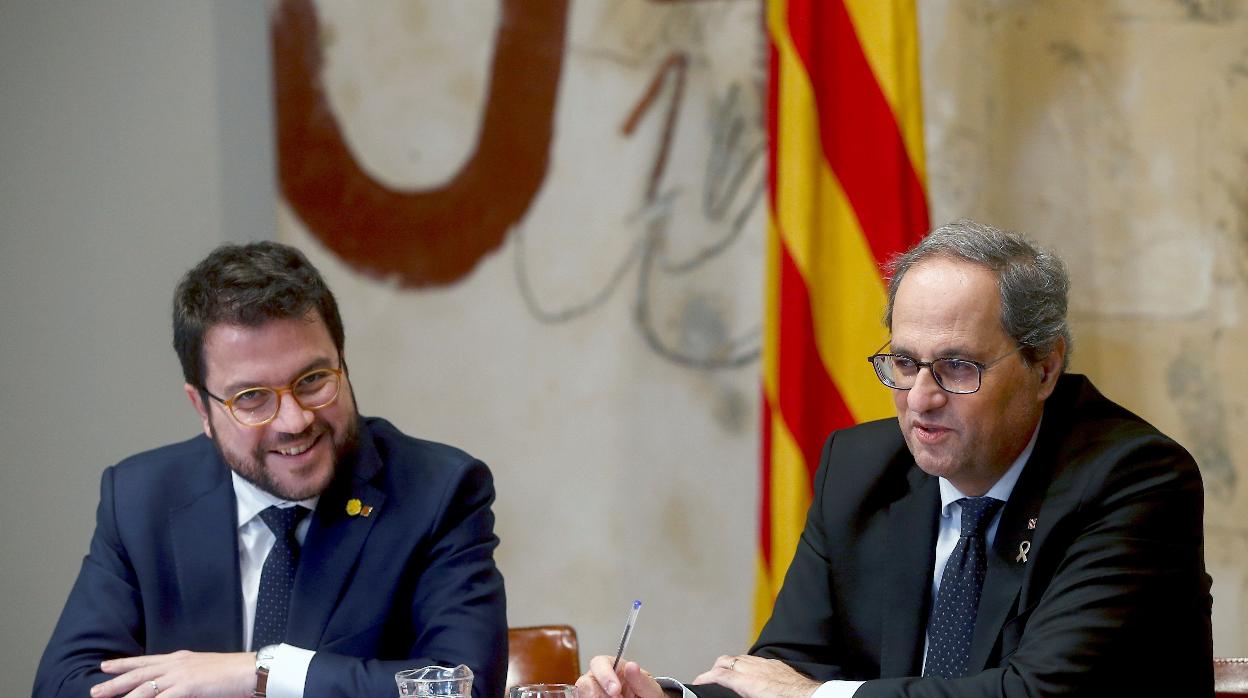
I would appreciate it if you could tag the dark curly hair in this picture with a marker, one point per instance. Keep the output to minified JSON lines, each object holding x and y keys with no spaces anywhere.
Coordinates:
{"x":246,"y":285}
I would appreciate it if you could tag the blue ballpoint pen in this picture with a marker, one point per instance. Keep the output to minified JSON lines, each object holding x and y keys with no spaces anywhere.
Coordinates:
{"x":628,"y":632}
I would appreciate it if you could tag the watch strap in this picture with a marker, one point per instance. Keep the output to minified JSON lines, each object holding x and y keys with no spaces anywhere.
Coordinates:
{"x":262,"y":682}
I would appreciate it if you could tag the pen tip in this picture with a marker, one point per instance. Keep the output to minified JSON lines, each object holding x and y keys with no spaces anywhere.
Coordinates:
{"x":637,"y":603}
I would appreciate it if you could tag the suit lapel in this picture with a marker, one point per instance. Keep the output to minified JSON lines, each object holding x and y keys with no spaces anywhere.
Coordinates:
{"x":333,"y":544}
{"x":1010,"y":557}
{"x":204,"y":537}
{"x":911,"y":541}
{"x":1006,"y":566}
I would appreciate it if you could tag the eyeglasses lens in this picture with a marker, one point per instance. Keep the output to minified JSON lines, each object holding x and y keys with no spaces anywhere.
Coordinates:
{"x":901,"y":372}
{"x":312,"y":391}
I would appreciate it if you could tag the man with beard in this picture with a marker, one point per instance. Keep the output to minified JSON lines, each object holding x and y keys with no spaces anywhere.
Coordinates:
{"x":293,"y":549}
{"x":1011,"y":532}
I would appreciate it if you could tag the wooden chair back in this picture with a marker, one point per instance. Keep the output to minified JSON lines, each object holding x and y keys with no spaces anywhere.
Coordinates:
{"x":542,"y":654}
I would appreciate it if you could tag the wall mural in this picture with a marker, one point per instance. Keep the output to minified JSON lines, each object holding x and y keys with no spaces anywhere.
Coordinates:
{"x":544,"y":222}
{"x":732,"y":188}
{"x":435,"y":236}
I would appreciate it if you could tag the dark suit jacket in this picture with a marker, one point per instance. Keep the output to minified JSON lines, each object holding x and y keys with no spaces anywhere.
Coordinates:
{"x":1112,"y":598}
{"x":412,"y":584}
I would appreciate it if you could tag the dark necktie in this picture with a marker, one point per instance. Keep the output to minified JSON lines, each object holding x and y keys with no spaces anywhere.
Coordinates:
{"x":277,"y":577}
{"x":957,"y":601}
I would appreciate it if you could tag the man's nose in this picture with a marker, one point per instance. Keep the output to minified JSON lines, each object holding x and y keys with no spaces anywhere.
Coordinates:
{"x":926,"y":395}
{"x":291,"y":417}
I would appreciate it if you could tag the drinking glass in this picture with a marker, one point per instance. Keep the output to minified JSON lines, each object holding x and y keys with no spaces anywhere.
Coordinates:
{"x":542,"y":690}
{"x":435,"y":682}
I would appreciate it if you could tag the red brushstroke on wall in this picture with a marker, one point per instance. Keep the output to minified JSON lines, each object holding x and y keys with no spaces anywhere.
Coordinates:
{"x":428,"y":237}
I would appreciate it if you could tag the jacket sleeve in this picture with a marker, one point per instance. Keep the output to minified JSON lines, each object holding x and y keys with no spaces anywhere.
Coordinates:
{"x":103,"y":617}
{"x":458,"y":605}
{"x":800,"y":631}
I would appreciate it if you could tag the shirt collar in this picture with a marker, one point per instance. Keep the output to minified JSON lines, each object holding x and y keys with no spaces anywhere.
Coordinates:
{"x":252,"y":500}
{"x":1004,"y":486}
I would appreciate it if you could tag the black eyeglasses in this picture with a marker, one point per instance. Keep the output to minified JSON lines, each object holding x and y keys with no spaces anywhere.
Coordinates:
{"x":953,"y":375}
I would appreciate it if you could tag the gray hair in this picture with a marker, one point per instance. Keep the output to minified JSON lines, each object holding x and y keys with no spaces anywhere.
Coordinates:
{"x":1033,"y":281}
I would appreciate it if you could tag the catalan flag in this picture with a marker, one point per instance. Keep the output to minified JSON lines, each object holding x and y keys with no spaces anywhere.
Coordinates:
{"x":846,"y":192}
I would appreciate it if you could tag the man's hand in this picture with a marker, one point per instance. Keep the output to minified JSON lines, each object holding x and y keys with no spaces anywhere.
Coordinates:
{"x":755,"y":677}
{"x":181,"y":674}
{"x":628,"y":681}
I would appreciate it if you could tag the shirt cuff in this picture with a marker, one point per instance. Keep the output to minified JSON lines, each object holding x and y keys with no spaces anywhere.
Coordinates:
{"x":672,"y":687}
{"x":288,"y":672}
{"x":829,"y":689}
{"x":837,"y":689}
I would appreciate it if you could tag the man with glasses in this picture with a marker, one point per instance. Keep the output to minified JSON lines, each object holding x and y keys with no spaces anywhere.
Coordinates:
{"x":293,"y":549}
{"x":1011,"y":533}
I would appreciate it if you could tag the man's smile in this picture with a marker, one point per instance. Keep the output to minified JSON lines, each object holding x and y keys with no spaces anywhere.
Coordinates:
{"x":299,"y":449}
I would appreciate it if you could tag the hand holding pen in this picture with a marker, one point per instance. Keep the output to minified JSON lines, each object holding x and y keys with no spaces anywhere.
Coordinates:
{"x":616,"y":677}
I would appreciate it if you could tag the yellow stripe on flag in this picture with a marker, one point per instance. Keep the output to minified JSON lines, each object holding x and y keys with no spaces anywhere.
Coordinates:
{"x":764,"y":592}
{"x":790,"y":498}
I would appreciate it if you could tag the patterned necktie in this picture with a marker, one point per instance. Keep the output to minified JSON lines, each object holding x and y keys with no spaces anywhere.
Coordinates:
{"x":957,"y":601}
{"x":277,"y":577}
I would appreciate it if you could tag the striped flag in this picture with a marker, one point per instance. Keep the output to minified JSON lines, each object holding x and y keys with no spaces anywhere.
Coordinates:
{"x":846,"y":192}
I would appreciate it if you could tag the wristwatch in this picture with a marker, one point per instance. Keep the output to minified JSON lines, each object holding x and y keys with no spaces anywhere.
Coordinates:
{"x":264,"y":657}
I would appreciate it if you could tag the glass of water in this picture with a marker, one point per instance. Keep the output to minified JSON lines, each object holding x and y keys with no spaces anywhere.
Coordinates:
{"x":435,"y":682}
{"x":543,"y":690}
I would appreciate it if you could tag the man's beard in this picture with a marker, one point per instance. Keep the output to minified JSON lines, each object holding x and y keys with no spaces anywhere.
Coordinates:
{"x":252,"y":469}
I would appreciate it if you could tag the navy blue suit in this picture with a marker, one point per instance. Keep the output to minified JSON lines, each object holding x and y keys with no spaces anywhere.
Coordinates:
{"x":411,"y":584}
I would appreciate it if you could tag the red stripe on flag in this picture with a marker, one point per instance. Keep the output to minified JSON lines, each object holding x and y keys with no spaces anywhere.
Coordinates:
{"x":765,"y":514}
{"x":859,"y":133}
{"x":810,"y":403}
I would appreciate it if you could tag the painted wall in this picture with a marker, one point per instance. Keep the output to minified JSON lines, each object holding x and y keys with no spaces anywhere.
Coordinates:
{"x":134,"y":137}
{"x":1107,"y":130}
{"x":601,"y":359}
{"x":1115,"y":132}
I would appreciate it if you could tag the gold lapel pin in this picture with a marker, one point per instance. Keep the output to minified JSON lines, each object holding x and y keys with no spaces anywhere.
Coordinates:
{"x":354,"y":508}
{"x":365,"y":511}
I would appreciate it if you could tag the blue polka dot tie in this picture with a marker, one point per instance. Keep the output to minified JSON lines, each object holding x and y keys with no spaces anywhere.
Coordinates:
{"x":957,"y":601}
{"x":277,"y":577}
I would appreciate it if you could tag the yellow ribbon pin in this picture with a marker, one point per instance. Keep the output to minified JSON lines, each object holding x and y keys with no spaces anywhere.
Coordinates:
{"x":353,"y":507}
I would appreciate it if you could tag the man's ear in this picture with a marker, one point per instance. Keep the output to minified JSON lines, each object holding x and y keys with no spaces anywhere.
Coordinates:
{"x":1050,"y":367}
{"x":197,"y":401}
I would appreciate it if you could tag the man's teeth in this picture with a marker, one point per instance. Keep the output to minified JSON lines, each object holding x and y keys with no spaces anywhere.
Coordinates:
{"x":294,"y":451}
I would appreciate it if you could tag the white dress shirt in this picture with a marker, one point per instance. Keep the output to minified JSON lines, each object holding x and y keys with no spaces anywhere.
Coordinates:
{"x":289,"y":669}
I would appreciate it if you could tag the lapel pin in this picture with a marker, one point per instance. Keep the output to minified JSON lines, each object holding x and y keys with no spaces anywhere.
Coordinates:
{"x":1023,"y":549}
{"x":365,"y":511}
{"x":1031,"y":524}
{"x":354,"y":508}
